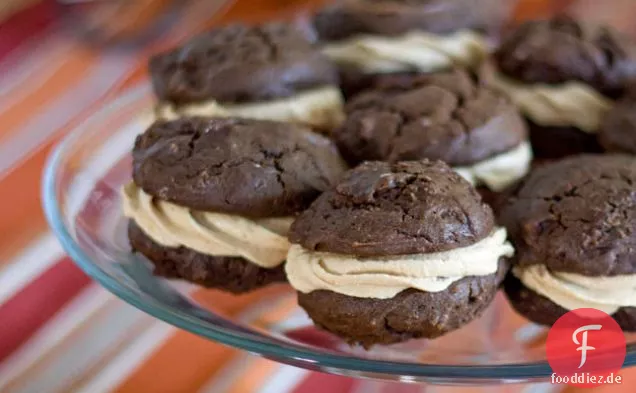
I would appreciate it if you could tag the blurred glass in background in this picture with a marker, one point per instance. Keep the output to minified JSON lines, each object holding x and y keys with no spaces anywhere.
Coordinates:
{"x":136,"y":23}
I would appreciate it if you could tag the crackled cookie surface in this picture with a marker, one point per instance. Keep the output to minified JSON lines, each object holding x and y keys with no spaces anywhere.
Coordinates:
{"x":212,"y":199}
{"x":447,"y":116}
{"x":396,"y":251}
{"x":240,"y":63}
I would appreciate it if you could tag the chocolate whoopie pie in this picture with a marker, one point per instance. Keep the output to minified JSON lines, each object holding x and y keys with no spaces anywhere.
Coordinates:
{"x":270,"y":72}
{"x":446,"y":116}
{"x":367,"y":38}
{"x":396,"y":251}
{"x":563,"y":75}
{"x":573,"y":225}
{"x":212,"y":199}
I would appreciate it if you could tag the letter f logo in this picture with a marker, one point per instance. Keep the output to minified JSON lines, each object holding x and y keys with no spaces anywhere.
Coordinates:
{"x":584,"y":347}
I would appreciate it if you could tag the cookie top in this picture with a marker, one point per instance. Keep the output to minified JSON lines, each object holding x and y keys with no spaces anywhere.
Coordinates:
{"x":618,"y":130}
{"x":445,"y":116}
{"x":562,"y":49}
{"x":577,"y":215}
{"x":395,"y":17}
{"x":381,"y":209}
{"x":252,"y":168}
{"x":239,"y":63}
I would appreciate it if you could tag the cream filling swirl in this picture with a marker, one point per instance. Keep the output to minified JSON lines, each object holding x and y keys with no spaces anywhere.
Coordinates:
{"x":385,"y":277}
{"x":572,"y":291}
{"x":500,"y":171}
{"x":569,"y":104}
{"x":321,"y":108}
{"x":262,"y":242}
{"x":413,"y":51}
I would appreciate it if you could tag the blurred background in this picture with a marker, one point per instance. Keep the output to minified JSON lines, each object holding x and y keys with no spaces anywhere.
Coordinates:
{"x":60,"y":61}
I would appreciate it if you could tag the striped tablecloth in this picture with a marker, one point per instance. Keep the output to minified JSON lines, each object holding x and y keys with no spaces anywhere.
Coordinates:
{"x":60,"y":332}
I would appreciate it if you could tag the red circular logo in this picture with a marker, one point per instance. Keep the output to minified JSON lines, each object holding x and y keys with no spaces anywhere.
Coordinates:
{"x":586,"y":347}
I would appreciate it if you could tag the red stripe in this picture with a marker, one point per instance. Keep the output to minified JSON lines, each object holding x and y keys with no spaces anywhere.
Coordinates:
{"x":25,"y":25}
{"x":318,"y":382}
{"x":22,"y":315}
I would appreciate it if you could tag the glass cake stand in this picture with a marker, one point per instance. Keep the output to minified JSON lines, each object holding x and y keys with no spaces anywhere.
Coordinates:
{"x":81,"y":198}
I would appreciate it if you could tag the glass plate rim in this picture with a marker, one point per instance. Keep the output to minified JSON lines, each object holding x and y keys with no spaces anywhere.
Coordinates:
{"x":54,"y":216}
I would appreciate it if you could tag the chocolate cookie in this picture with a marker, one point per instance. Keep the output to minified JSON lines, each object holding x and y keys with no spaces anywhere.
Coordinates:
{"x":409,"y":315}
{"x":371,"y":38}
{"x":253,"y":168}
{"x":405,"y":215}
{"x":550,"y":142}
{"x":391,"y":209}
{"x":544,"y":311}
{"x":563,"y":75}
{"x":575,"y":221}
{"x":239,"y":64}
{"x":396,"y":17}
{"x":618,"y":130}
{"x":444,"y":116}
{"x":212,"y":198}
{"x":562,"y":49}
{"x":232,"y":274}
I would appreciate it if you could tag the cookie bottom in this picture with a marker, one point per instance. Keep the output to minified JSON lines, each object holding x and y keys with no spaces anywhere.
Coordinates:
{"x":492,"y":198}
{"x":408,"y":315}
{"x":232,"y":274}
{"x":557,"y":142}
{"x":541,"y":310}
{"x":353,"y":81}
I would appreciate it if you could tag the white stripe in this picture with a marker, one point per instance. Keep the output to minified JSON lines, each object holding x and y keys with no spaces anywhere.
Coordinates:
{"x":35,"y":259}
{"x":226,"y":377}
{"x":86,"y":304}
{"x":373,"y":386}
{"x":50,"y":120}
{"x":113,"y":326}
{"x":543,"y":387}
{"x":529,"y":332}
{"x":126,"y":362}
{"x":284,"y":380}
{"x":298,"y":319}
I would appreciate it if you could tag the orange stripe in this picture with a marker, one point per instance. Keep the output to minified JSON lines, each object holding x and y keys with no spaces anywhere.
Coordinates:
{"x":71,"y":72}
{"x":198,"y":359}
{"x":539,"y":9}
{"x":22,"y":217}
{"x":182,"y":364}
{"x":227,"y":304}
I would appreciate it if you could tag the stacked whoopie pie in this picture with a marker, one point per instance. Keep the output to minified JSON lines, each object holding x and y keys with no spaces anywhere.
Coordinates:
{"x":270,"y":72}
{"x":368,"y":38}
{"x":234,"y":187}
{"x":564,"y":76}
{"x":212,"y":199}
{"x":397,"y":251}
{"x":573,"y":224}
{"x":450,"y":116}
